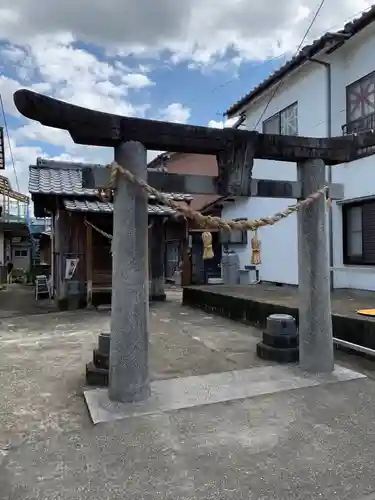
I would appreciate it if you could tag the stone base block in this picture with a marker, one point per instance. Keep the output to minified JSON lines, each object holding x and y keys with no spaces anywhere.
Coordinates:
{"x":100,"y":360}
{"x":194,"y":391}
{"x":280,"y":341}
{"x":96,"y":376}
{"x":158,"y":298}
{"x":281,"y":355}
{"x":104,"y":343}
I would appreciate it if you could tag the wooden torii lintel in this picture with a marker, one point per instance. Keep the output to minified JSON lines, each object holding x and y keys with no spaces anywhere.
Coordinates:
{"x":235,"y":149}
{"x":96,"y":128}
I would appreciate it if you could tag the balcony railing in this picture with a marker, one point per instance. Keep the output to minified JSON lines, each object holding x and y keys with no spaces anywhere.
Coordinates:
{"x":14,"y":211}
{"x":40,"y":225}
{"x":363,"y":124}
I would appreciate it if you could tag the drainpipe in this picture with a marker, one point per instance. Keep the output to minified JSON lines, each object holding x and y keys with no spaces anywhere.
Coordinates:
{"x":329,"y":167}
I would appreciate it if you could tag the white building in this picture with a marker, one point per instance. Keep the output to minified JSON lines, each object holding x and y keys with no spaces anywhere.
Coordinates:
{"x":318,"y":100}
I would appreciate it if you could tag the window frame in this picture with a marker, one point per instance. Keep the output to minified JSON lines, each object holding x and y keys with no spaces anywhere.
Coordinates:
{"x":243,"y":232}
{"x":348,"y":259}
{"x":278,"y":115}
{"x":348,"y":89}
{"x":20,"y":252}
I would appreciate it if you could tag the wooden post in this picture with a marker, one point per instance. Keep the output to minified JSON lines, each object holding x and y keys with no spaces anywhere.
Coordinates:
{"x":62,"y":234}
{"x":186,"y":257}
{"x":128,"y":367}
{"x":315,"y":320}
{"x":89,"y":265}
{"x":157,"y":255}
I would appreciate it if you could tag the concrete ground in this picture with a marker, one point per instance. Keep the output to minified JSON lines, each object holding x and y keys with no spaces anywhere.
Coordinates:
{"x":19,"y":300}
{"x":310,"y":443}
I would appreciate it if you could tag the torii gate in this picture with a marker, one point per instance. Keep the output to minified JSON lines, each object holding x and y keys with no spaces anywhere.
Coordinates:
{"x":235,"y":150}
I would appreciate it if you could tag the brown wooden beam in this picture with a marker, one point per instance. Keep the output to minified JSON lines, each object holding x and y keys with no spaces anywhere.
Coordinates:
{"x":95,"y":128}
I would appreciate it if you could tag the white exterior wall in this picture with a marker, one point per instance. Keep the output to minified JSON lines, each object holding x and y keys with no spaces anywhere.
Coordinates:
{"x":355,"y":61}
{"x":279,"y":243}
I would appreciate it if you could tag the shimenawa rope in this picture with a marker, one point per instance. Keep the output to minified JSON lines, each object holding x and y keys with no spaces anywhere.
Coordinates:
{"x":207,"y":221}
{"x":103,"y":233}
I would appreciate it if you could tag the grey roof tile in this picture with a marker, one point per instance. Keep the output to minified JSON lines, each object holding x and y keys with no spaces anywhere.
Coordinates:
{"x":57,"y":181}
{"x":59,"y":178}
{"x":93,"y":206}
{"x":88,"y":206}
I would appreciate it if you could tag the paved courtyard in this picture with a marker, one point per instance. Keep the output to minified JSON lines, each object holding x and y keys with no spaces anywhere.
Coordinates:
{"x":307,"y":443}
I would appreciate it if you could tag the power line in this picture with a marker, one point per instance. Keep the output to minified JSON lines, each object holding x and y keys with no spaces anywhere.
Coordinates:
{"x":9,"y":143}
{"x":224,"y":84}
{"x":297,"y":51}
{"x":284,"y":54}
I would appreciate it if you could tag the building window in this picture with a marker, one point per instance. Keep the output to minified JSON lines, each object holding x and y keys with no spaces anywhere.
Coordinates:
{"x":360,"y":110}
{"x":285,"y":122}
{"x":359,"y":233}
{"x":20,"y":253}
{"x":361,"y":98}
{"x":234,"y":237}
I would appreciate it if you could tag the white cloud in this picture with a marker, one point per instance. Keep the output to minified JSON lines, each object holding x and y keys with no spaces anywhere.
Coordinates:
{"x":199,"y":33}
{"x":7,"y":87}
{"x":57,"y":67}
{"x":176,"y":113}
{"x":191,"y":30}
{"x":14,"y":54}
{"x":136,"y":80}
{"x":223,"y":123}
{"x":22,"y":156}
{"x":54,"y":66}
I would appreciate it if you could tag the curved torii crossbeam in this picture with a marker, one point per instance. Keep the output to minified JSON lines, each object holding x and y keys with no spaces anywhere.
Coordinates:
{"x":96,"y":128}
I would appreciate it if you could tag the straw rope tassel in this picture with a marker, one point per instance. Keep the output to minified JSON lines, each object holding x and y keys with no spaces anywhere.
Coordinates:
{"x":255,"y":247}
{"x":207,"y":246}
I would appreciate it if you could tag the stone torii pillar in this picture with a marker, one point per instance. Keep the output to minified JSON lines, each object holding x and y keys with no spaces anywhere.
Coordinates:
{"x":315,"y":321}
{"x":128,"y":367}
{"x":235,"y":150}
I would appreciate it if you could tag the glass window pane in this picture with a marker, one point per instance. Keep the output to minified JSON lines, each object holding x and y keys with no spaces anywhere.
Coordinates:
{"x":289,"y":120}
{"x":354,"y":232}
{"x":354,"y":102}
{"x":355,"y":244}
{"x":272,"y":125}
{"x":355,"y":219}
{"x":361,"y":98}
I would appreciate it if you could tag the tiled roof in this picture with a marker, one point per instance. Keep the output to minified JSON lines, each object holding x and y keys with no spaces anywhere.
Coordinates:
{"x":57,"y":181}
{"x":60,"y":178}
{"x":330,"y":41}
{"x":107,"y":207}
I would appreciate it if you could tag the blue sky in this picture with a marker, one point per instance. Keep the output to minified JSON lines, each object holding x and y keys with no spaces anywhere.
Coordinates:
{"x":184,"y":62}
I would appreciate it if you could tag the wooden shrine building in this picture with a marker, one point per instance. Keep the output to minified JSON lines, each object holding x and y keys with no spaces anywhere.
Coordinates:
{"x":82,"y":228}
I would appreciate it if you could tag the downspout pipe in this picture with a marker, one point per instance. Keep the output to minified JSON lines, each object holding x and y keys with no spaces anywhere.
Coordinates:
{"x":327,"y":67}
